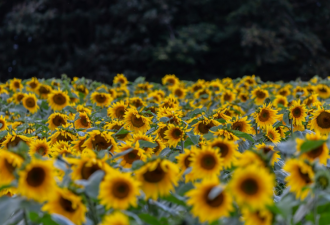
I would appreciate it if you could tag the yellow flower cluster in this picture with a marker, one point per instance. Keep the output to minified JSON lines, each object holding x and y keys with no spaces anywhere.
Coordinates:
{"x":139,"y":151}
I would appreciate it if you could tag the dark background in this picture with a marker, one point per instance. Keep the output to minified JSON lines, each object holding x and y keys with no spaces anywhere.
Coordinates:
{"x":274,"y":39}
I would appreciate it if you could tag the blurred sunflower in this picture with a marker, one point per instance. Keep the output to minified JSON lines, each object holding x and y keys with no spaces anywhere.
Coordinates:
{"x":3,"y":123}
{"x":265,"y":116}
{"x":228,"y":96}
{"x":268,"y":148}
{"x":117,"y":125}
{"x":136,"y":153}
{"x":120,"y":79}
{"x":12,"y":140}
{"x":272,"y":135}
{"x":86,"y":166}
{"x":158,"y":178}
{"x":116,"y":218}
{"x":323,"y":91}
{"x":117,"y":110}
{"x":170,"y":80}
{"x":184,"y":162}
{"x":100,"y":140}
{"x":57,"y":119}
{"x":119,"y":191}
{"x":17,"y":97}
{"x":136,"y":121}
{"x":204,"y":125}
{"x":175,"y":134}
{"x":16,"y":84}
{"x":101,"y":99}
{"x":9,"y":162}
{"x":259,"y":95}
{"x":33,"y":84}
{"x":83,"y":121}
{"x":257,"y":217}
{"x":241,"y":124}
{"x":58,"y":100}
{"x":280,"y":99}
{"x":228,"y":150}
{"x":44,"y":90}
{"x":30,"y":102}
{"x":320,"y":121}
{"x":298,"y":113}
{"x":207,"y":207}
{"x":40,"y":147}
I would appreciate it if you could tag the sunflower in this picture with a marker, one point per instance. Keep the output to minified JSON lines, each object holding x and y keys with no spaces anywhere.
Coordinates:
{"x":62,"y":148}
{"x":203,"y":126}
{"x":30,"y":102}
{"x":228,"y":96}
{"x":154,"y":97}
{"x":221,"y":114}
{"x":16,"y":84}
{"x":179,"y":92}
{"x":36,"y":180}
{"x":10,"y":192}
{"x":112,"y":92}
{"x":159,"y":148}
{"x":173,"y":115}
{"x":281,"y":130}
{"x":221,"y":133}
{"x":119,"y":191}
{"x":117,"y":125}
{"x":57,"y":119}
{"x":77,"y":144}
{"x":81,"y":88}
{"x":265,"y":116}
{"x":43,"y":91}
{"x":40,"y":147}
{"x":272,"y":135}
{"x":323,"y":91}
{"x":120,"y":79}
{"x":3,"y":89}
{"x":100,"y":140}
{"x":321,"y":153}
{"x":85,"y":167}
{"x":257,"y":217}
{"x":280,"y":99}
{"x":12,"y":141}
{"x":137,"y":102}
{"x":117,"y":110}
{"x":136,"y":121}
{"x":248,"y":158}
{"x":228,"y":151}
{"x":18,"y":97}
{"x":3,"y":123}
{"x":81,"y":108}
{"x":158,"y":178}
{"x":83,"y":121}
{"x":101,"y":99}
{"x":184,"y":162}
{"x":9,"y":162}
{"x":301,"y":176}
{"x":64,"y":202}
{"x":62,"y":135}
{"x":259,"y":95}
{"x":268,"y":148}
{"x":136,"y":153}
{"x":241,"y":124}
{"x":33,"y":84}
{"x":310,"y":100}
{"x":170,"y":102}
{"x":252,"y":186}
{"x":170,"y":80}
{"x":58,"y":100}
{"x":206,"y":162}
{"x":174,"y":134}
{"x":298,"y":113}
{"x":243,"y":96}
{"x":209,"y":209}
{"x":74,"y":97}
{"x":321,"y":121}
{"x":140,"y":136}
{"x":116,"y":218}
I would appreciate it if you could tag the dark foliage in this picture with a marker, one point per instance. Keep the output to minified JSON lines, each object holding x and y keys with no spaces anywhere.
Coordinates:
{"x":281,"y":39}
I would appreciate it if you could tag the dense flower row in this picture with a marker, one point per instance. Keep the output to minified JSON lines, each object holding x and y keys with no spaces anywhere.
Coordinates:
{"x":227,"y":151}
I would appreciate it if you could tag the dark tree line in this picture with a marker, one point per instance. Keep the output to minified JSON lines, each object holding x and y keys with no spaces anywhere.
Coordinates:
{"x":281,"y":39}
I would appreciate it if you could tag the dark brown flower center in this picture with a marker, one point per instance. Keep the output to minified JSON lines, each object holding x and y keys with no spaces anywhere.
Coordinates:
{"x":178,"y":92}
{"x":36,"y":176}
{"x":204,"y":128}
{"x":58,"y":121}
{"x":238,"y":126}
{"x":162,"y":132}
{"x":59,"y":99}
{"x":266,"y":149}
{"x":137,"y":103}
{"x":224,"y":150}
{"x":137,"y":122}
{"x":132,"y":156}
{"x":87,"y":170}
{"x":100,"y":143}
{"x":33,"y":85}
{"x":16,"y":84}
{"x":297,"y":112}
{"x":120,"y":190}
{"x":62,"y":137}
{"x":260,"y":94}
{"x":84,"y":121}
{"x":154,"y":176}
{"x":187,"y":161}
{"x":305,"y":177}
{"x":208,"y":162}
{"x":20,"y":97}
{"x":30,"y":102}
{"x":323,"y":120}
{"x":100,"y":98}
{"x":264,"y":115}
{"x":250,"y":186}
{"x":215,"y":202}
{"x":315,"y":152}
{"x":227,"y":97}
{"x":176,"y":133}
{"x":66,"y":205}
{"x":43,"y":90}
{"x":120,"y":112}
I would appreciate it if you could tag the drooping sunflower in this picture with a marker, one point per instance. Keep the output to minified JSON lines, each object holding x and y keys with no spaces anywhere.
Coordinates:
{"x":16,"y":84}
{"x":280,"y":99}
{"x":119,"y":191}
{"x":228,"y":150}
{"x":272,"y":135}
{"x":320,"y":121}
{"x":208,"y":208}
{"x":136,"y":153}
{"x":174,"y":134}
{"x":203,"y":126}
{"x":43,"y":91}
{"x":321,"y":153}
{"x":30,"y":102}
{"x":64,"y":202}
{"x":158,"y":178}
{"x":12,"y":140}
{"x":120,"y":79}
{"x":57,"y":119}
{"x":298,"y":113}
{"x":9,"y":162}
{"x":135,"y":121}
{"x":40,"y":147}
{"x":252,"y":186}
{"x":259,"y":95}
{"x":116,"y":218}
{"x":117,"y":110}
{"x":170,"y":80}
{"x":100,"y":140}
{"x":3,"y":123}
{"x":257,"y":217}
{"x":33,"y":84}
{"x":36,"y":180}
{"x":265,"y":116}
{"x":83,"y":121}
{"x":101,"y":99}
{"x":241,"y":124}
{"x":268,"y":148}
{"x":58,"y":100}
{"x":206,"y":163}
{"x":301,"y":176}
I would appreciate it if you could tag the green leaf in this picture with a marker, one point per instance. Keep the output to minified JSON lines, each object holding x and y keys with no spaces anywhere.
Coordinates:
{"x":137,"y":164}
{"x":70,"y":109}
{"x":149,"y":219}
{"x":175,"y":200}
{"x":243,"y":135}
{"x":221,"y":120}
{"x":164,"y":119}
{"x":194,"y":138}
{"x":3,"y":134}
{"x":309,"y":145}
{"x":122,"y":131}
{"x":92,"y":187}
{"x":147,"y":144}
{"x":188,"y":142}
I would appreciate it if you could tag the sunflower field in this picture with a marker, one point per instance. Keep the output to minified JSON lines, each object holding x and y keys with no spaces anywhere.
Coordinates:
{"x":214,"y":152}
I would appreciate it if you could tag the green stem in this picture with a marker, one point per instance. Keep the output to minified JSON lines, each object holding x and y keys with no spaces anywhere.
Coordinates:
{"x":25,"y":218}
{"x":291,"y":128}
{"x":93,"y":211}
{"x":182,"y":146}
{"x":256,"y":129}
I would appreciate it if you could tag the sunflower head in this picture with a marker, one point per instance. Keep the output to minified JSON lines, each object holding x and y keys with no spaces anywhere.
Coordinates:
{"x":57,"y":119}
{"x":30,"y":102}
{"x":100,"y":141}
{"x":321,"y":121}
{"x":174,"y":134}
{"x":9,"y":162}
{"x":58,"y":100}
{"x":16,"y":84}
{"x":117,"y":110}
{"x":228,"y":150}
{"x":83,"y":121}
{"x":170,"y":80}
{"x":3,"y":123}
{"x":135,"y":153}
{"x":265,"y":116}
{"x":272,"y":134}
{"x":43,"y":90}
{"x":259,"y":95}
{"x":120,"y":79}
{"x":298,"y":113}
{"x":40,"y":147}
{"x":116,"y":218}
{"x":135,"y":121}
